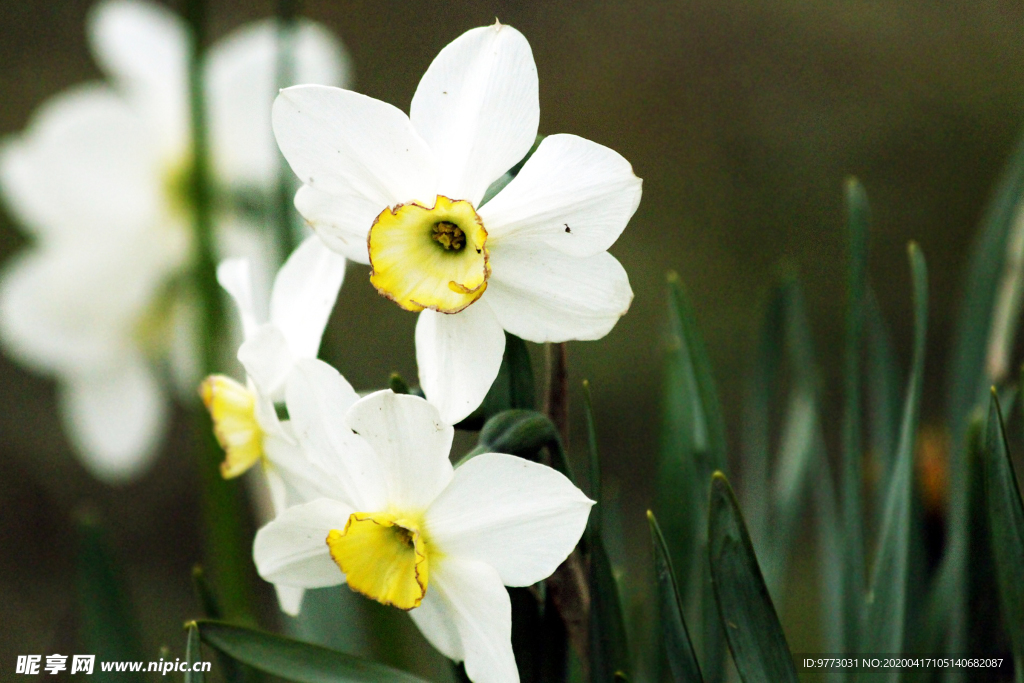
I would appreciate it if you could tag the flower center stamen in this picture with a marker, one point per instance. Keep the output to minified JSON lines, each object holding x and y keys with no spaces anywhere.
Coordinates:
{"x":384,"y":558}
{"x":233,"y":410}
{"x":433,"y":257}
{"x":449,"y":235}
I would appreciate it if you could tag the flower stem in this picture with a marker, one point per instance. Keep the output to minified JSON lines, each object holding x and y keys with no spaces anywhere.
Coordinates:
{"x":222,"y":511}
{"x":287,"y":13}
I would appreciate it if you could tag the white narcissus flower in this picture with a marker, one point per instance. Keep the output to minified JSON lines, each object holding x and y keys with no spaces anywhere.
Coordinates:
{"x":245,"y":420}
{"x":403,"y":527}
{"x":100,"y":181}
{"x":403,"y":194}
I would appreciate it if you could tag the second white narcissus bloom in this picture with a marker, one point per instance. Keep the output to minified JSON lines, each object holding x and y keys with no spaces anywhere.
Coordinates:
{"x":404,"y":195}
{"x":245,"y":420}
{"x":100,"y":299}
{"x":403,"y":527}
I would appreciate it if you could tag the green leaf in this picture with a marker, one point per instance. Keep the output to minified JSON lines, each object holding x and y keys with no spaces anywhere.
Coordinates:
{"x":193,"y":655}
{"x":852,"y":472}
{"x":752,"y":627}
{"x":692,"y":447}
{"x":499,"y":184}
{"x":398,"y":384}
{"x":609,"y":646}
{"x":969,"y":381}
{"x":521,"y":392}
{"x":886,"y":613}
{"x":682,"y":660}
{"x":1006,"y":523}
{"x":882,"y":388}
{"x":294,"y":660}
{"x":107,"y":626}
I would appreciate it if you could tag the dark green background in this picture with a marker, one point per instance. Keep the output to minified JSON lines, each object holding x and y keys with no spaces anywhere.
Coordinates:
{"x":742,"y":117}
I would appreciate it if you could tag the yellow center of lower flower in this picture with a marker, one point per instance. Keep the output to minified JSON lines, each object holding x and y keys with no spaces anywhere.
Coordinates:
{"x":430,"y":257}
{"x":384,"y":557}
{"x":233,"y":409}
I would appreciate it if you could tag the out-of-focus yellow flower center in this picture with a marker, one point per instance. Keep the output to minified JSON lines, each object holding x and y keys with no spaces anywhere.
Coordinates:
{"x":233,"y":409}
{"x":430,"y":257}
{"x":384,"y":557}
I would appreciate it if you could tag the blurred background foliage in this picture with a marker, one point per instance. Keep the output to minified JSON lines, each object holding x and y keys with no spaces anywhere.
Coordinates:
{"x":743,"y":118}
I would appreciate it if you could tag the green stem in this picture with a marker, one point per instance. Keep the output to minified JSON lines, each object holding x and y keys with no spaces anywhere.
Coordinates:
{"x":287,"y":13}
{"x":222,"y":510}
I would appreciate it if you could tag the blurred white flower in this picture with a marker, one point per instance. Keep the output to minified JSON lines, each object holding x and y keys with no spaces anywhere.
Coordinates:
{"x":403,"y":527}
{"x":403,"y":194}
{"x":100,"y":181}
{"x":245,"y":420}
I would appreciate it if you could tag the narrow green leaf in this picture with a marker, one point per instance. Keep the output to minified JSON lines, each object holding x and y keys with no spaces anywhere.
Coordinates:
{"x":985,"y":636}
{"x":294,"y":660}
{"x":760,"y":397}
{"x":752,"y":627}
{"x":398,"y":384}
{"x":800,"y":441}
{"x":882,"y":388}
{"x":499,"y":184}
{"x":692,"y":447}
{"x":1006,"y":524}
{"x":852,"y":472}
{"x":682,"y":659}
{"x":775,"y":503}
{"x":193,"y":655}
{"x":107,"y":626}
{"x":969,"y":382}
{"x":609,"y":647}
{"x":520,"y":373}
{"x":886,"y":613}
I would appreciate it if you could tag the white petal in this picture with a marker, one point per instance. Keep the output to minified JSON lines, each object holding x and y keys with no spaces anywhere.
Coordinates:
{"x":115,"y":419}
{"x":290,"y":598}
{"x":543,"y":295}
{"x":344,"y":143}
{"x":234,"y":276}
{"x":318,"y":399}
{"x":85,"y":170}
{"x":520,"y":517}
{"x":144,"y":47}
{"x":76,"y":308}
{"x":436,"y":621}
{"x":573,"y":194}
{"x":294,"y":478}
{"x":267,"y":360}
{"x":39,"y":321}
{"x":458,"y":357}
{"x":241,"y":83}
{"x":477,"y":107}
{"x":411,"y":443}
{"x":482,"y":611}
{"x":304,"y":293}
{"x":339,"y":219}
{"x":292,"y":549}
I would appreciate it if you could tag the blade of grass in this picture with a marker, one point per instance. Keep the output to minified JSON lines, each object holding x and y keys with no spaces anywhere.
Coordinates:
{"x":853,"y":468}
{"x":1006,"y":524}
{"x":752,"y":627}
{"x":693,"y":446}
{"x":107,"y":626}
{"x":682,"y":659}
{"x":609,"y":645}
{"x":886,"y":612}
{"x":193,"y":655}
